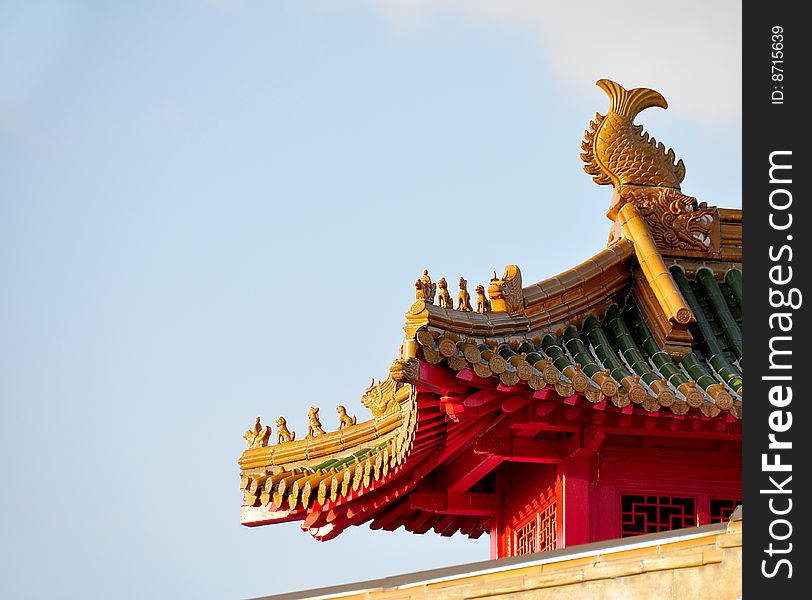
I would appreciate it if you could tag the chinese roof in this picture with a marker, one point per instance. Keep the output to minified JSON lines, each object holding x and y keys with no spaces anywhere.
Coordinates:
{"x":644,"y":336}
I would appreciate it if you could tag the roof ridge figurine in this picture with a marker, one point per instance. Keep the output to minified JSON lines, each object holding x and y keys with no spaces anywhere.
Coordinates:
{"x":464,"y":298}
{"x":344,"y":420}
{"x":283,"y":434}
{"x":258,"y":436}
{"x":314,"y":427}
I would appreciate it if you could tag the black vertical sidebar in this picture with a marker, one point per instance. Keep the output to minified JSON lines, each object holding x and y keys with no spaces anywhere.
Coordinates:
{"x":777,"y":258}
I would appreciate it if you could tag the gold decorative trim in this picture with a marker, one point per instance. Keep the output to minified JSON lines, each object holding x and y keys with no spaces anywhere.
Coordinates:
{"x":381,"y":398}
{"x":653,"y":266}
{"x":404,"y":370}
{"x":506,"y":293}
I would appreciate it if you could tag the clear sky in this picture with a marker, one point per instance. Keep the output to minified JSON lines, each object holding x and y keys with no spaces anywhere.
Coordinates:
{"x":215,"y":210}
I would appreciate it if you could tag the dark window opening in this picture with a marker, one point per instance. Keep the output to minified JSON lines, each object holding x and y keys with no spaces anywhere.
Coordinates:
{"x":722,"y":508}
{"x":649,"y":514}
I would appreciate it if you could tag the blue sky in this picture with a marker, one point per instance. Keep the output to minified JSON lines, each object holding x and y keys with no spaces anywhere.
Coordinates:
{"x":216,"y":210}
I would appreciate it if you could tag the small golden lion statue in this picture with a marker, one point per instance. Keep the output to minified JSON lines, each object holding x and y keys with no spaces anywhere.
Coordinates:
{"x":444,"y":299}
{"x":344,"y":420}
{"x":283,"y":434}
{"x":482,"y":302}
{"x":464,"y":298}
{"x":313,"y":423}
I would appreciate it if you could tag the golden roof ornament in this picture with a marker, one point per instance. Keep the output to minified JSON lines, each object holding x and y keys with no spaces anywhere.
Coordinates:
{"x":425,"y":288}
{"x":283,"y":434}
{"x":402,"y":370}
{"x":258,"y":436}
{"x":344,"y":420}
{"x":314,"y":427}
{"x":482,"y":303}
{"x":380,"y":398}
{"x":619,"y":153}
{"x":444,"y":299}
{"x":506,"y":293}
{"x":464,"y":298}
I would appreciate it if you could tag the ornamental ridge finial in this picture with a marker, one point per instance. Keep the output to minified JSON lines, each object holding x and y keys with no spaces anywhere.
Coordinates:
{"x":618,"y":152}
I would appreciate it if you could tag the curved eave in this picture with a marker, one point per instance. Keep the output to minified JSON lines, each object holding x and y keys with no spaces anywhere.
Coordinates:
{"x":327,"y":499}
{"x":549,"y":304}
{"x":447,"y":415}
{"x":335,"y":444}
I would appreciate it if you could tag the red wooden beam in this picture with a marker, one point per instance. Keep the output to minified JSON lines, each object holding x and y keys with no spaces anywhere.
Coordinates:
{"x":427,"y":524}
{"x":545,"y":408}
{"x":572,"y":485}
{"x":453,"y":407}
{"x":439,"y":380}
{"x":419,"y":520}
{"x":515,"y":449}
{"x":574,"y":412}
{"x":458,"y":407}
{"x":514,"y":402}
{"x":546,"y":393}
{"x":699,"y":435}
{"x":465,"y":470}
{"x":572,"y":400}
{"x":446,"y":525}
{"x":316,"y":518}
{"x":480,"y":398}
{"x":467,"y":375}
{"x":587,"y":443}
{"x":452,"y":527}
{"x":469,"y":525}
{"x":392,"y":518}
{"x":454,"y":503}
{"x":511,"y":389}
{"x":663,"y":425}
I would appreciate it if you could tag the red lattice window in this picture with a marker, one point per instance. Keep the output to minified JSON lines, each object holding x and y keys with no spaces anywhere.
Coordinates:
{"x":649,"y":514}
{"x":538,"y":534}
{"x":526,"y":538}
{"x":722,"y":508}
{"x":547,"y":529}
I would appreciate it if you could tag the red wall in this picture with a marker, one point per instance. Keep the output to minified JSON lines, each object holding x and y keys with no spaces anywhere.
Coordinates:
{"x":587,"y":493}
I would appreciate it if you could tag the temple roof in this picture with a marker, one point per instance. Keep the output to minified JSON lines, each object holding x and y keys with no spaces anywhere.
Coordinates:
{"x":643,"y":337}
